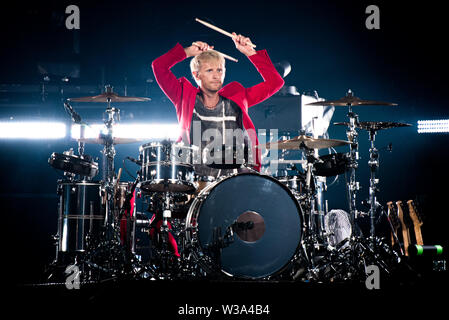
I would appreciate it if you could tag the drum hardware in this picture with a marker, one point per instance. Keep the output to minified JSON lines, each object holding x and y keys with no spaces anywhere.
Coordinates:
{"x":350,"y":101}
{"x":315,"y":237}
{"x":225,"y":234}
{"x":95,"y":243}
{"x":167,"y":266}
{"x":350,"y":258}
{"x":352,"y":248}
{"x":375,"y":125}
{"x":372,"y":127}
{"x":215,"y":248}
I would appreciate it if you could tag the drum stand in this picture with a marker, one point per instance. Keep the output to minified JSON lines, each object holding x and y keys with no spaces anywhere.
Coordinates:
{"x":105,"y":255}
{"x":314,"y":238}
{"x":110,"y":256}
{"x":373,"y":163}
{"x":166,"y":264}
{"x":113,"y":116}
{"x":353,"y":186}
{"x":352,"y":261}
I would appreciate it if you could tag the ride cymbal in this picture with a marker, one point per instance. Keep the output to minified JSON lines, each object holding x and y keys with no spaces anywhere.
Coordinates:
{"x":350,"y":100}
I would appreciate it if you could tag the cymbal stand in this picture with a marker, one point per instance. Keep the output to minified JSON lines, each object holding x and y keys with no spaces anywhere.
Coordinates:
{"x":353,"y":186}
{"x":111,"y":117}
{"x":314,"y":234}
{"x":373,"y":163}
{"x":165,"y":259}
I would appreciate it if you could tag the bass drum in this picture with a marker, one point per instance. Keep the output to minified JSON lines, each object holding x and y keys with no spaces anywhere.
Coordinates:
{"x":265,"y":220}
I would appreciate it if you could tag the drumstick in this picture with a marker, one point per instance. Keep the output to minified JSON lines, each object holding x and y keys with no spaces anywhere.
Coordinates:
{"x":224,"y":55}
{"x":220,"y":30}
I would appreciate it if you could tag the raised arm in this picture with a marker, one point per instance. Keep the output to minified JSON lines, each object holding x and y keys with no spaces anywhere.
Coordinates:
{"x":164,"y":77}
{"x":166,"y":80}
{"x":272,"y":80}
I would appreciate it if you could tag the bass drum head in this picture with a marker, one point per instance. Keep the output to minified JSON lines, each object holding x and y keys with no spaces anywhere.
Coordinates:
{"x":266,"y":219}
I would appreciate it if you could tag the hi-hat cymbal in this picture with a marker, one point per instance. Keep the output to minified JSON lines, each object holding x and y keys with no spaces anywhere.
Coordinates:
{"x":303,"y":141}
{"x":350,"y":100}
{"x":116,"y":140}
{"x":375,"y":125}
{"x":109,"y":97}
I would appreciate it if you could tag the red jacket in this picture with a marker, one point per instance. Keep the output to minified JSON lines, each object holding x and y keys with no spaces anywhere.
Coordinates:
{"x":183,"y":94}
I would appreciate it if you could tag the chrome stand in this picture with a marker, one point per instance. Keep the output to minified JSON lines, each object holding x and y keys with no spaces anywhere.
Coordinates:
{"x":353,"y":186}
{"x":373,"y":163}
{"x":111,"y":117}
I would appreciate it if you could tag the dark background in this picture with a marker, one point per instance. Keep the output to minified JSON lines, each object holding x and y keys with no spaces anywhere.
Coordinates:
{"x":326,"y":42}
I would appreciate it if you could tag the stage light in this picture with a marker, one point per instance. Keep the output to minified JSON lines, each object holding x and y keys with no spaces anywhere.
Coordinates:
{"x":143,"y":131}
{"x":147,"y":131}
{"x":433,"y":126}
{"x":32,"y":130}
{"x":90,"y":131}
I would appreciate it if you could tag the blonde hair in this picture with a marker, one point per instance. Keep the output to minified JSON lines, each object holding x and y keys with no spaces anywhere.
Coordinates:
{"x":204,"y":56}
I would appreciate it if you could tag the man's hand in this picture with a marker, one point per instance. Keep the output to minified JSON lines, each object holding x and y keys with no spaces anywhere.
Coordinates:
{"x":243,"y":44}
{"x":196,"y":48}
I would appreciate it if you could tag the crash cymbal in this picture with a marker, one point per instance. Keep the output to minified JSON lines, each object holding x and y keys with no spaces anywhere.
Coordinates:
{"x":116,"y":140}
{"x":375,"y":125}
{"x":303,"y":141}
{"x":350,"y":100}
{"x":109,"y":97}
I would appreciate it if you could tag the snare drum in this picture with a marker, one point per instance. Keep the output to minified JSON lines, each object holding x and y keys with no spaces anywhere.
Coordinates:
{"x":167,"y":167}
{"x":265,"y":220}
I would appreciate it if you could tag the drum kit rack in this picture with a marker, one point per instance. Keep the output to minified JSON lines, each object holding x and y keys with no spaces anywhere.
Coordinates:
{"x":241,"y":226}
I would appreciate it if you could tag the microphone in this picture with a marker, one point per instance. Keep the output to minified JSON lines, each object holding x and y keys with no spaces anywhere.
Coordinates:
{"x":75,"y":116}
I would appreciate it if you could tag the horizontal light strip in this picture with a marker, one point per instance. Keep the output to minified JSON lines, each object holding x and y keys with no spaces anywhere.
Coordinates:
{"x":135,"y":131}
{"x":433,"y":126}
{"x":32,"y":130}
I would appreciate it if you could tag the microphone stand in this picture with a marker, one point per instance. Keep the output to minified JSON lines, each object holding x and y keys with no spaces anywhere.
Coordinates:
{"x":76,"y":118}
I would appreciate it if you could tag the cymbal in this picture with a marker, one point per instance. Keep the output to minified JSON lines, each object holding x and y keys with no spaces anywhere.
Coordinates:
{"x":109,"y":97}
{"x":116,"y":140}
{"x":375,"y":125}
{"x":350,"y":100}
{"x":303,"y":141}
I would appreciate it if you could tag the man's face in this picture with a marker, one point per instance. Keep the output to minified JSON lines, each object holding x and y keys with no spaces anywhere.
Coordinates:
{"x":211,"y":75}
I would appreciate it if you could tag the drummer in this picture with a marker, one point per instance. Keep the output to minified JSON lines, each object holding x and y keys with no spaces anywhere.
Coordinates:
{"x":206,"y":111}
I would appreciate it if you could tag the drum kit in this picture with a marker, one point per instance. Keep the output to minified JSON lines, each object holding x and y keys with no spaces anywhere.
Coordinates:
{"x":239,"y":226}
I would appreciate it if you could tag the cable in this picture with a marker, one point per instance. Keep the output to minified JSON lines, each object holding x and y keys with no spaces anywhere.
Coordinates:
{"x":124,"y":167}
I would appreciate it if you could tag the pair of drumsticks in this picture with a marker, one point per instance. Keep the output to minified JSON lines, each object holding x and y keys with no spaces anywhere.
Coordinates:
{"x":222,"y":32}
